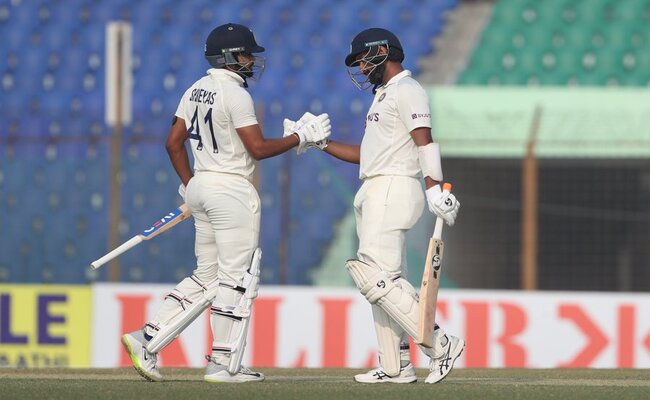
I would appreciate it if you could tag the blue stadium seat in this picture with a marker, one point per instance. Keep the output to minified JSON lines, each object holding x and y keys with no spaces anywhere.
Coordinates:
{"x":22,"y":21}
{"x":56,"y":103}
{"x":69,"y":16}
{"x":73,"y":62}
{"x":33,"y":126}
{"x":93,"y":38}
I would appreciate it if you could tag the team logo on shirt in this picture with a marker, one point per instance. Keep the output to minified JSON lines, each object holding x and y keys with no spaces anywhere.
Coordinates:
{"x":416,"y":116}
{"x":383,"y":96}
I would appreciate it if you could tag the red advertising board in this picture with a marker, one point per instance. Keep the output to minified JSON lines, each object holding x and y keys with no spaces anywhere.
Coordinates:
{"x":320,"y":327}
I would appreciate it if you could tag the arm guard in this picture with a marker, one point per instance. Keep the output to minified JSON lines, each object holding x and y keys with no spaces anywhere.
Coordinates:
{"x":430,"y":164}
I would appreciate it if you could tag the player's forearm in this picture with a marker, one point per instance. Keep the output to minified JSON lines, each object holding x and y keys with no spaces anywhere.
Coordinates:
{"x":346,"y":152}
{"x":272,"y":147}
{"x":181,"y":162}
{"x":430,"y":182}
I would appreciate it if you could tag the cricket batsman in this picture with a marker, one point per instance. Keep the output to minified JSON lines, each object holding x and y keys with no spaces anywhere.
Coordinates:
{"x":396,"y":148}
{"x":217,"y":116}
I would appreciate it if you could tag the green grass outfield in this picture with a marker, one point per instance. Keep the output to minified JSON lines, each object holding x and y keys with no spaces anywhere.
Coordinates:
{"x":337,"y":384}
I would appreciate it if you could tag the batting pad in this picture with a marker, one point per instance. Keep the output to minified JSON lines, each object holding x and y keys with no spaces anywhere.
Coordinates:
{"x":388,"y":338}
{"x":177,"y":304}
{"x":379,"y":289}
{"x":230,"y":314}
{"x":172,"y":328}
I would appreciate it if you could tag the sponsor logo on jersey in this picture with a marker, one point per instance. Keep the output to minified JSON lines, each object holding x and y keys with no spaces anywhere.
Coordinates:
{"x":372,"y":117}
{"x":382,"y":97}
{"x":416,"y":116}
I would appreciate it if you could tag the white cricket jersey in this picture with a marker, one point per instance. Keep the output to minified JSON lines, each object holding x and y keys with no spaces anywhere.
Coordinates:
{"x":213,"y":107}
{"x":387,"y":147}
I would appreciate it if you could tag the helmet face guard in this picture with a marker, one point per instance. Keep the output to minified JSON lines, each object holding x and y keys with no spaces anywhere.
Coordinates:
{"x":251,"y":69}
{"x":365,"y":49}
{"x":372,"y":71}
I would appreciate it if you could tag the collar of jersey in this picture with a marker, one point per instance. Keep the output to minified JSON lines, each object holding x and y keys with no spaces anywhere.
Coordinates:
{"x":395,"y":79}
{"x":221,"y":73}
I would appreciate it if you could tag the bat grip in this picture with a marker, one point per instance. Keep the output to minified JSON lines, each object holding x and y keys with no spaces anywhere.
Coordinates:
{"x":135,"y":240}
{"x":437,"y":229}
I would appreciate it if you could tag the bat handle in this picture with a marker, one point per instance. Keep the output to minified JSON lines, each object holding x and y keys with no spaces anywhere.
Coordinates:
{"x":121,"y":249}
{"x":437,"y":230}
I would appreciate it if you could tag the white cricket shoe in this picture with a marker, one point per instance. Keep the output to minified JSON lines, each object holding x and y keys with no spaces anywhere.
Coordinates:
{"x":143,"y":361}
{"x":377,"y":375}
{"x":219,"y":373}
{"x":441,"y":367}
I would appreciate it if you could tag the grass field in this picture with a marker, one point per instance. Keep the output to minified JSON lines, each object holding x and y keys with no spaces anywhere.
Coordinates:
{"x":284,"y":384}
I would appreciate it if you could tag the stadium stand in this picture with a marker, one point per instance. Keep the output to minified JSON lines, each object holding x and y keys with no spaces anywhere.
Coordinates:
{"x":52,"y":70}
{"x":560,"y":42}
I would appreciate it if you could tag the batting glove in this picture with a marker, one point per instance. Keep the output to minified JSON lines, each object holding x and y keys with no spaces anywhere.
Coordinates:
{"x":291,"y":127}
{"x":181,"y":191}
{"x":316,"y":130}
{"x":443,"y":204}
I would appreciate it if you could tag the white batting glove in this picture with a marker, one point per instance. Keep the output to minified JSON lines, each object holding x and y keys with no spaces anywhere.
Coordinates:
{"x":443,"y":204}
{"x":292,"y":126}
{"x":181,"y":191}
{"x":316,"y":132}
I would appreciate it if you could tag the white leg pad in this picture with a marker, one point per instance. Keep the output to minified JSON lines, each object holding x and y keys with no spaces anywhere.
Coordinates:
{"x":177,"y":301}
{"x":388,"y":340}
{"x":231,"y":313}
{"x":379,"y":289}
{"x":391,"y":338}
{"x":187,"y":311}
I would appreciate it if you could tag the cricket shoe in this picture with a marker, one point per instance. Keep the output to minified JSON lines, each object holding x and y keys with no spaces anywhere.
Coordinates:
{"x":143,"y":361}
{"x":377,"y":375}
{"x":216,"y":372}
{"x":441,"y":367}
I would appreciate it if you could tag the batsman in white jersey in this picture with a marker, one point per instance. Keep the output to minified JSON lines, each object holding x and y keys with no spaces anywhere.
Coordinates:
{"x":217,"y":116}
{"x":396,"y":150}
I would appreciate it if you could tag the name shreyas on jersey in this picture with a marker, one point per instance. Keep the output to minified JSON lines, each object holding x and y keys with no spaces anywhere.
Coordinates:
{"x":202,"y":96}
{"x":158,"y":224}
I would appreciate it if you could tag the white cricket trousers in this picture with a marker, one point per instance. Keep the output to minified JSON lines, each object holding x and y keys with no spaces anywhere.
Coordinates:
{"x":226,"y":211}
{"x":385,"y":208}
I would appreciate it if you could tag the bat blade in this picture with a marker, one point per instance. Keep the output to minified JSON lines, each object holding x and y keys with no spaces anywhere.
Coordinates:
{"x":429,"y":291}
{"x":431,"y":282}
{"x":165,"y":223}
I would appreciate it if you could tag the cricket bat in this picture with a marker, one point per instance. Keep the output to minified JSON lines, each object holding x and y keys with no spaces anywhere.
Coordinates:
{"x":163,"y":224}
{"x":431,"y":282}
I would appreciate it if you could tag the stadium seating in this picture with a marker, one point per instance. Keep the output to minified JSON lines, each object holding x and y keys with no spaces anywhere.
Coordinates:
{"x":558,"y":42}
{"x":52,"y":81}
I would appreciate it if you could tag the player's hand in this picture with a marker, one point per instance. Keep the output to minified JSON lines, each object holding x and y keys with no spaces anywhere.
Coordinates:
{"x":315,"y":132}
{"x":443,"y":203}
{"x":181,"y":191}
{"x":292,"y":126}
